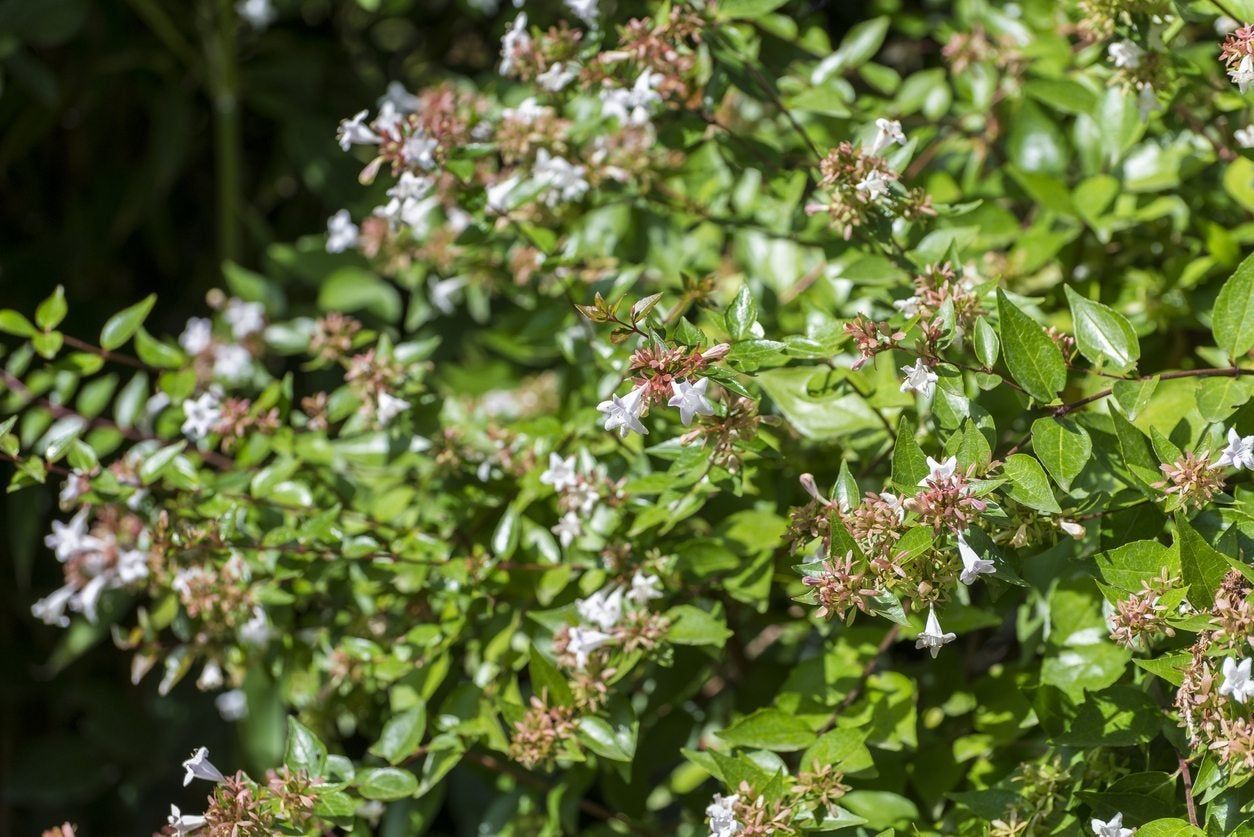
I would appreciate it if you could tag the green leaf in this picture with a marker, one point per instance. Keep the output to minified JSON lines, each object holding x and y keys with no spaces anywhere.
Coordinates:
{"x":741,"y":315}
{"x":691,"y":625}
{"x":151,"y":468}
{"x":1201,"y":565}
{"x":1102,"y":333}
{"x":616,"y":743}
{"x":52,"y":310}
{"x":401,"y":735}
{"x":1028,"y":483}
{"x":1063,"y":448}
{"x":12,"y":322}
{"x":119,"y":328}
{"x":768,"y":729}
{"x":1034,"y":360}
{"x":747,"y":9}
{"x":156,"y":353}
{"x":385,"y":783}
{"x":1169,"y":828}
{"x":987,"y":344}
{"x":1232,"y":321}
{"x":305,"y":751}
{"x":909,"y":462}
{"x":857,"y":47}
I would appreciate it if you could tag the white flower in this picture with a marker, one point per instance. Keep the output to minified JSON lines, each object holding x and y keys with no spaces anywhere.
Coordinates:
{"x":444,"y":293}
{"x":939,"y":471}
{"x":895,"y":503}
{"x":87,"y":598}
{"x":1225,"y":25}
{"x":527,"y":111}
{"x":256,"y":13}
{"x":623,"y":414}
{"x":873,"y":186}
{"x":644,"y":588}
{"x":196,"y":336}
{"x":515,"y":40}
{"x":1114,"y":828}
{"x":1237,"y":682}
{"x":1243,"y":75}
{"x":231,"y":362}
{"x":1075,"y":530}
{"x":210,"y":677}
{"x":604,"y":608}
{"x":419,"y":150}
{"x":389,"y":407}
{"x":973,"y":566}
{"x":908,"y":306}
{"x":68,"y":540}
{"x":583,"y":641}
{"x":1244,"y":136}
{"x":919,"y":378}
{"x":1125,"y":54}
{"x":567,"y":529}
{"x":232,"y":705}
{"x":632,"y":107}
{"x":498,"y":194}
{"x":556,"y":77}
{"x":691,"y":400}
{"x":933,"y":637}
{"x":183,"y":824}
{"x":888,"y":131}
{"x":245,"y":318}
{"x":342,"y":233}
{"x":565,"y":182}
{"x":561,"y":473}
{"x":585,"y":10}
{"x":256,"y":631}
{"x":51,"y":608}
{"x":722,"y":816}
{"x":199,"y":767}
{"x":132,"y":566}
{"x":355,"y":131}
{"x":1239,"y":453}
{"x":400,"y":98}
{"x":201,"y":415}
{"x":411,"y":187}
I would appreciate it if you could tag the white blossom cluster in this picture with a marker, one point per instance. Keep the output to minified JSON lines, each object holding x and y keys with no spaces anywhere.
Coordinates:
{"x":100,"y":563}
{"x":623,"y":413}
{"x":601,"y":612}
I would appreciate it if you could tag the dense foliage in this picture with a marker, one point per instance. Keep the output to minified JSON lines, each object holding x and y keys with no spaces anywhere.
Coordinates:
{"x":705,"y":427}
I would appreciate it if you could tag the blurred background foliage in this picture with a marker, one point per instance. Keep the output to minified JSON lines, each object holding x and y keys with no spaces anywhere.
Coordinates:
{"x":145,"y":143}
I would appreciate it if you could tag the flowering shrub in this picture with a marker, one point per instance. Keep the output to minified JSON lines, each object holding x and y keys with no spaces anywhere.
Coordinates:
{"x":708,"y":428}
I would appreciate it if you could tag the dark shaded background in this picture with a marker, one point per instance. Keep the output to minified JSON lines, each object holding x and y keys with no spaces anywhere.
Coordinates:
{"x":120,"y":175}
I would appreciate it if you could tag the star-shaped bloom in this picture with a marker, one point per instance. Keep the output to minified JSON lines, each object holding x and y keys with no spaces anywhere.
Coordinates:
{"x":908,"y":306}
{"x":919,"y":378}
{"x":583,"y":641}
{"x":1243,"y":75}
{"x":515,"y":40}
{"x":623,"y":414}
{"x":561,"y":473}
{"x":1125,"y":54}
{"x":183,"y":823}
{"x":873,"y":186}
{"x":933,"y":637}
{"x":196,"y":336}
{"x":1112,"y":828}
{"x":1244,"y":136}
{"x":644,"y":588}
{"x":201,"y":415}
{"x":691,"y":400}
{"x":973,"y":566}
{"x":888,"y":131}
{"x":199,"y":767}
{"x":556,"y":77}
{"x":70,"y":539}
{"x":939,"y":471}
{"x":390,"y":407}
{"x":604,"y":608}
{"x":895,"y":503}
{"x":1239,"y":453}
{"x":567,"y":529}
{"x":585,"y":10}
{"x":342,"y":233}
{"x":355,"y":131}
{"x":400,"y":98}
{"x":1236,"y":683}
{"x":721,"y":814}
